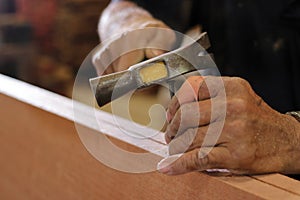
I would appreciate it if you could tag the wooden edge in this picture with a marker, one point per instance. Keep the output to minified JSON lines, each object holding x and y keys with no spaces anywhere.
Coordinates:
{"x":281,"y":181}
{"x":81,"y":114}
{"x":273,"y":186}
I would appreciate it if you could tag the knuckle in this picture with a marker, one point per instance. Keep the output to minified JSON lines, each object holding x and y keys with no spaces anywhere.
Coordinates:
{"x":237,"y":106}
{"x":195,"y":162}
{"x":230,"y":106}
{"x":240,"y":81}
{"x":236,"y":84}
{"x":240,"y":104}
{"x":189,"y":162}
{"x":201,"y":160}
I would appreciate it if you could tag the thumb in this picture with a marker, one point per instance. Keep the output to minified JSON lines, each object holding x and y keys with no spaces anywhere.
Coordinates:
{"x":125,"y":61}
{"x":196,"y":160}
{"x":151,"y":53}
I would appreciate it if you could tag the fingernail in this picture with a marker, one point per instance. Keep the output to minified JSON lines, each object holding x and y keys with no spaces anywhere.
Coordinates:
{"x":165,"y":165}
{"x":167,"y":139}
{"x":168,"y":116}
{"x":157,"y":52}
{"x":165,"y":170}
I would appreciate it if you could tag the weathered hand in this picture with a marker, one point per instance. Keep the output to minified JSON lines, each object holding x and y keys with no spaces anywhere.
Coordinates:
{"x":123,"y":16}
{"x":254,"y":139}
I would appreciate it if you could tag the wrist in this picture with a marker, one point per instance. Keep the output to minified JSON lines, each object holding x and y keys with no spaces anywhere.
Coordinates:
{"x":122,"y":16}
{"x":293,"y":140}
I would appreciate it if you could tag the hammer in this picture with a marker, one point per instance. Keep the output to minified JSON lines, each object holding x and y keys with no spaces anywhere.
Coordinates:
{"x":167,"y":68}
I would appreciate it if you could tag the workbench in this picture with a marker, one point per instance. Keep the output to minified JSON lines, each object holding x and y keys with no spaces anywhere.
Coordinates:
{"x":43,"y":157}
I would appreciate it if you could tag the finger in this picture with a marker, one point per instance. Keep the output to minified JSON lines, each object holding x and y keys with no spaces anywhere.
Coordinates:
{"x":151,"y":53}
{"x":196,"y":160}
{"x":127,"y":60}
{"x":206,"y":136}
{"x":187,"y":93}
{"x":109,"y":70}
{"x":102,"y":61}
{"x":217,"y":86}
{"x":213,"y":86}
{"x":172,"y":108}
{"x":161,"y":37}
{"x":190,"y":115}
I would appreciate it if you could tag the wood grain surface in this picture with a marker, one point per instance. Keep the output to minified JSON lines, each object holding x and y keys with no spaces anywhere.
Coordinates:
{"x":42,"y":157}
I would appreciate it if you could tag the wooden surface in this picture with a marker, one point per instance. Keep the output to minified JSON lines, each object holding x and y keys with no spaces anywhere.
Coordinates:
{"x":42,"y":157}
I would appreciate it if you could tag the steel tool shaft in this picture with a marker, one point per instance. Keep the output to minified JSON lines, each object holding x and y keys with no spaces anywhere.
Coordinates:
{"x":164,"y":68}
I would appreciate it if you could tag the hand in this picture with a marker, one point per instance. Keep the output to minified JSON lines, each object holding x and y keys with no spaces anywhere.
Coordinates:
{"x":255,"y":138}
{"x":124,"y":16}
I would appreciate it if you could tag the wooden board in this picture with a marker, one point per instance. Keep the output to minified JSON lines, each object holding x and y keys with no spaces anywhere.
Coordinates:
{"x":42,"y":157}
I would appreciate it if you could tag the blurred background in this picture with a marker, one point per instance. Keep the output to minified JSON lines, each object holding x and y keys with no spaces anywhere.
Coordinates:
{"x":44,"y":42}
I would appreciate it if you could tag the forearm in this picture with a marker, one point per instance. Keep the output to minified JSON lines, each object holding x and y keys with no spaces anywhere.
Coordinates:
{"x":121,"y":16}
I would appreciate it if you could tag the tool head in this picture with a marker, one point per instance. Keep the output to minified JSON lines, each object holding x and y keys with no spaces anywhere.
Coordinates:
{"x":190,"y":57}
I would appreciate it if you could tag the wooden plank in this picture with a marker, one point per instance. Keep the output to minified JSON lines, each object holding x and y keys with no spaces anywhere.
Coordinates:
{"x":79,"y":113}
{"x":281,"y":181}
{"x":42,"y":157}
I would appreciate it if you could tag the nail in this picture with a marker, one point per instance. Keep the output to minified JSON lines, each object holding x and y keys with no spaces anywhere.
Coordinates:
{"x":167,"y":139}
{"x":168,"y":116}
{"x":157,"y":52}
{"x":165,"y":170}
{"x":165,"y":165}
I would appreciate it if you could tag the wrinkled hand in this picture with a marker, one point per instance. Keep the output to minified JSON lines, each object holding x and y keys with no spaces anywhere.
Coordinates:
{"x":164,"y":40}
{"x":121,"y":17}
{"x":254,"y":139}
